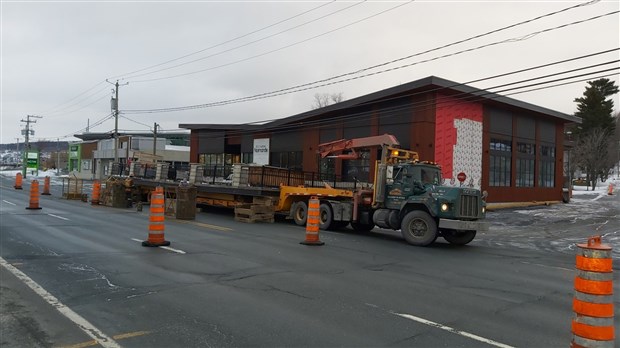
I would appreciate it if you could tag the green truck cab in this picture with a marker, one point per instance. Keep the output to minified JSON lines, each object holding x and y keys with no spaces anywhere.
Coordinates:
{"x":415,"y":201}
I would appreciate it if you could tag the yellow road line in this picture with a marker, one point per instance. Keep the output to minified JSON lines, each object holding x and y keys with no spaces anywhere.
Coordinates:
{"x":213,"y":227}
{"x":117,"y":337}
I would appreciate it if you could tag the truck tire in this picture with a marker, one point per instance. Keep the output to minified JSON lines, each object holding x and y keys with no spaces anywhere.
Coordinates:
{"x":326,"y":216}
{"x":300,"y":213}
{"x":458,"y":237}
{"x":419,"y":228}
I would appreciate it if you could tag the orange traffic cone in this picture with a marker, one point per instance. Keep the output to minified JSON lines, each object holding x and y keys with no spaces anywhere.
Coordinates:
{"x":593,"y":304}
{"x":312,"y":223}
{"x":156,"y":220}
{"x":46,"y":186}
{"x":96,"y":193}
{"x":34,"y":195}
{"x":18,"y":181}
{"x":610,"y":189}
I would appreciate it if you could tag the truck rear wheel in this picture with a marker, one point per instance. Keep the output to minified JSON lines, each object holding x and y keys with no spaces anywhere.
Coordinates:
{"x":419,"y":228}
{"x":458,"y":237}
{"x":300,"y":213}
{"x":326,"y":216}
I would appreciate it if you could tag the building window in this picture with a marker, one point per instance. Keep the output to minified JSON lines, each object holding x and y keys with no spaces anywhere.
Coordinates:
{"x":526,"y":156}
{"x":247,"y":157}
{"x":290,"y":159}
{"x":217,"y":164}
{"x":327,"y":168}
{"x":500,"y":159}
{"x":546,"y":177}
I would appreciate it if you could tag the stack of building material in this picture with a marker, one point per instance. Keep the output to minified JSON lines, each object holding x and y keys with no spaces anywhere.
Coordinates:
{"x":262,"y":210}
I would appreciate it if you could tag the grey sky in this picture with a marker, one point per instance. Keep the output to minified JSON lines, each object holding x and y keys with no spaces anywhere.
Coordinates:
{"x":54,"y":51}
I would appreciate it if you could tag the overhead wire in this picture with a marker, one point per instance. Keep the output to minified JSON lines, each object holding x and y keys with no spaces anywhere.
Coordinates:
{"x":245,"y":44}
{"x":385,"y":63}
{"x":55,"y":110}
{"x":224,"y":42}
{"x":308,"y":87}
{"x":468,"y":96}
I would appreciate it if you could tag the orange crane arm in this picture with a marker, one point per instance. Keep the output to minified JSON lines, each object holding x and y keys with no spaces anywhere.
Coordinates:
{"x":337,"y":148}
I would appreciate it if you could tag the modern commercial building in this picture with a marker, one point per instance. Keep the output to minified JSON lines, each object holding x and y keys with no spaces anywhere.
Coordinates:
{"x":512,"y":149}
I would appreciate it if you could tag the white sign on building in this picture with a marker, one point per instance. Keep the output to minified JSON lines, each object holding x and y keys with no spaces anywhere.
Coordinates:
{"x":261,"y":151}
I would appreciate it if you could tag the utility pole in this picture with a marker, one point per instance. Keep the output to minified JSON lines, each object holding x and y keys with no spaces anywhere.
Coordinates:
{"x":57,"y":156}
{"x":114,"y":105}
{"x":17,"y":145}
{"x":155,"y":143}
{"x":27,"y":142}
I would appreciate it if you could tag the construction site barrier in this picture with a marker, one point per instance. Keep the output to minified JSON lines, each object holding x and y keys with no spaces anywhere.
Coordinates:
{"x":156,"y":220}
{"x":34,"y":195}
{"x":46,"y":186}
{"x":96,"y":193}
{"x":593,"y":322}
{"x":18,"y":181}
{"x":312,"y":223}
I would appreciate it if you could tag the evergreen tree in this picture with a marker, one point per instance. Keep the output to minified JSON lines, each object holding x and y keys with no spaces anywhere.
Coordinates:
{"x":595,"y":109}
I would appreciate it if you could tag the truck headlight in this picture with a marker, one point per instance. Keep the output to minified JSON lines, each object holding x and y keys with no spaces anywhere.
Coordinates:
{"x":484,"y":210}
{"x":444,"y":207}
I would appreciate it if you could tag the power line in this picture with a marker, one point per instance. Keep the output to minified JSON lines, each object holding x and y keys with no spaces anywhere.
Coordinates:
{"x":224,"y":42}
{"x":385,"y":63}
{"x":251,"y":42}
{"x":275,"y":50}
{"x":54,"y":109}
{"x":312,"y":86}
{"x":453,"y":100}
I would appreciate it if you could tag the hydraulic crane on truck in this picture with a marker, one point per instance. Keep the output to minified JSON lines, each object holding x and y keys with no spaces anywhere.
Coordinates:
{"x":407,"y":194}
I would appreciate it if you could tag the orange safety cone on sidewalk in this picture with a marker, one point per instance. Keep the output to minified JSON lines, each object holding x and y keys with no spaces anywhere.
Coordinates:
{"x":610,"y":189}
{"x":593,"y":304}
{"x":46,"y":186}
{"x":96,"y":193}
{"x":34,"y":195}
{"x":156,"y":220}
{"x":312,"y":223}
{"x":18,"y":181}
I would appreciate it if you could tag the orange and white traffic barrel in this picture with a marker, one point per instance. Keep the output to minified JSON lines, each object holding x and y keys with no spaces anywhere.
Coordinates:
{"x":312,"y":223}
{"x":156,"y":220}
{"x":46,"y":186}
{"x":34,"y":195}
{"x":593,"y":323}
{"x":96,"y":193}
{"x":18,"y":181}
{"x":610,"y":189}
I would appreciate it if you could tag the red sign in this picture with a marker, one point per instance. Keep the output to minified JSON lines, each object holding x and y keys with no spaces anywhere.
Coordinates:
{"x":461,"y":176}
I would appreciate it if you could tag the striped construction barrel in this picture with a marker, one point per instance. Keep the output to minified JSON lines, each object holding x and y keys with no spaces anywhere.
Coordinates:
{"x":593,"y":322}
{"x":34,"y":195}
{"x":312,"y":222}
{"x":156,"y":220}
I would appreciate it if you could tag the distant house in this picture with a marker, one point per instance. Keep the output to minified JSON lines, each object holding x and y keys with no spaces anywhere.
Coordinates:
{"x":94,"y":158}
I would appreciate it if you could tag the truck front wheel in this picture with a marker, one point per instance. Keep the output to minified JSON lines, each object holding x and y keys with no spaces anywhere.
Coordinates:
{"x":419,"y":228}
{"x":299,"y":212}
{"x":458,"y":237}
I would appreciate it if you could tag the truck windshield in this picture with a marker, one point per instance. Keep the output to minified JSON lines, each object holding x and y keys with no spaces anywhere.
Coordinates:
{"x":430,"y":176}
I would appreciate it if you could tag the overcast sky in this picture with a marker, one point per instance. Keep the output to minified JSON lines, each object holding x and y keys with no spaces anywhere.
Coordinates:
{"x":56,"y":56}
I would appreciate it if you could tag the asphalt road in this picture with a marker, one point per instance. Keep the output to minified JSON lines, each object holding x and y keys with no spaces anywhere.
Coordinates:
{"x":224,"y":283}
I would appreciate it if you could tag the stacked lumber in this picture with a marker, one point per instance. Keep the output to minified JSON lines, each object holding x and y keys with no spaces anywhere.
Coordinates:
{"x":251,"y":213}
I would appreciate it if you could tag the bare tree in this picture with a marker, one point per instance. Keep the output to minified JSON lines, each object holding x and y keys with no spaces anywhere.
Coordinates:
{"x":325,"y":99}
{"x":594,"y":155}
